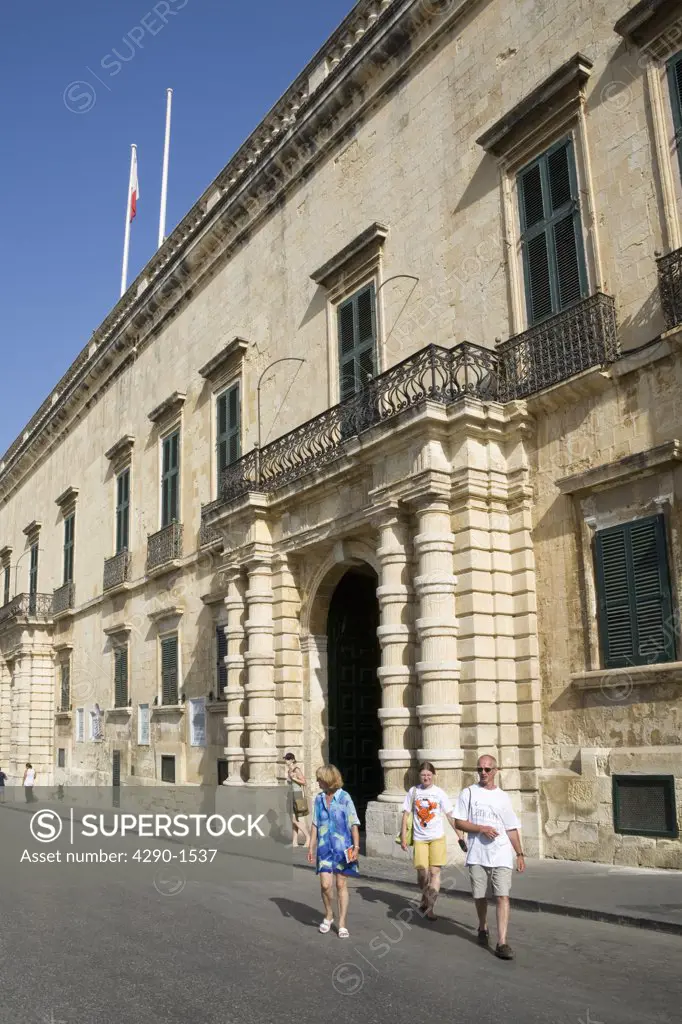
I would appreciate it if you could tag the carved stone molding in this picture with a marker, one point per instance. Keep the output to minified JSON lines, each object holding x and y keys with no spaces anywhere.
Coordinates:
{"x":168,"y":409}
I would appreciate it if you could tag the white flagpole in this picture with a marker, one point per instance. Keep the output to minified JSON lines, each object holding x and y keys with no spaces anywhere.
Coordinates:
{"x":126,"y":239}
{"x":164,"y":175}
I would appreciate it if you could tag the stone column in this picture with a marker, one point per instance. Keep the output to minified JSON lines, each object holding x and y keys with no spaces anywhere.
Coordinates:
{"x":316,"y":746}
{"x":43,"y":693}
{"x":288,"y":674}
{"x":439,"y":710}
{"x":261,"y":720}
{"x":396,"y":673}
{"x":234,"y":690}
{"x":5,"y":712}
{"x":20,"y":738}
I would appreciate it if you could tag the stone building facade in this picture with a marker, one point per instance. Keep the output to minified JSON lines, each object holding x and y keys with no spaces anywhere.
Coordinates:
{"x":378,"y":459}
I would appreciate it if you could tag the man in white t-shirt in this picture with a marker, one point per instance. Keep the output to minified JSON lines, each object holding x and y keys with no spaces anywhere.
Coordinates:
{"x":486,"y":813}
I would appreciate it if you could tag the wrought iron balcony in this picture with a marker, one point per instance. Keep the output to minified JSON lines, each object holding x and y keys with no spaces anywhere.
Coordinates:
{"x":27,"y":606}
{"x":164,"y":546}
{"x":116,"y":570}
{"x":209,"y":537}
{"x":63,"y":598}
{"x":577,"y":339}
{"x":583,"y":336}
{"x":670,"y":287}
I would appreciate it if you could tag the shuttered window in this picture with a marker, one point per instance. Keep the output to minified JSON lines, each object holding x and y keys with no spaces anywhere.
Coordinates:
{"x":69,"y":528}
{"x":5,"y":596}
{"x":33,"y":573}
{"x":229,"y":427}
{"x":633,"y":590}
{"x":357,"y":342}
{"x":675,"y":87}
{"x":169,"y":670}
{"x":197,"y":722}
{"x":121,"y":677}
{"x":170,"y":476}
{"x":167,"y":768}
{"x":551,"y":233}
{"x":116,"y":768}
{"x":80,"y":725}
{"x":221,"y":674}
{"x":122,"y":511}
{"x":65,"y":695}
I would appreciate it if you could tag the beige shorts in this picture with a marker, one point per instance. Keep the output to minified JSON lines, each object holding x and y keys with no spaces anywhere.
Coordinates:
{"x":498,"y":879}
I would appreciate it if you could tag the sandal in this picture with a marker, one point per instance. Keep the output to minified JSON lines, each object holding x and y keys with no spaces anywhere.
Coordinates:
{"x":343,"y":933}
{"x":326,"y":925}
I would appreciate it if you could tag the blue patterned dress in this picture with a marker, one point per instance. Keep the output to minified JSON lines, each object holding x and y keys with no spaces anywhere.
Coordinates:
{"x":334,"y":836}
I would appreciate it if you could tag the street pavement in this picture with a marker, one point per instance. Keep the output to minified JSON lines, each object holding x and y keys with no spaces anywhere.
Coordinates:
{"x":96,"y":948}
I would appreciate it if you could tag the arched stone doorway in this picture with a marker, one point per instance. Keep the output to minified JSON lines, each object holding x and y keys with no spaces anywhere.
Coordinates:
{"x":354,"y":691}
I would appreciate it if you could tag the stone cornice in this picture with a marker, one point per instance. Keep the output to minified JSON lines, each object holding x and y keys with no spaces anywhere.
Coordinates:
{"x":33,"y":528}
{"x":312,"y":117}
{"x":612,"y":474}
{"x":366,"y":243}
{"x":234,"y":350}
{"x":170,"y":407}
{"x":67,"y":499}
{"x":648,"y":20}
{"x":5,"y":554}
{"x":570,"y":77}
{"x":121,"y":450}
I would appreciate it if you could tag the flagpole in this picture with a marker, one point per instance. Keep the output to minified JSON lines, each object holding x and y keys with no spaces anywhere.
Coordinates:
{"x":126,"y":239}
{"x":164,"y":175}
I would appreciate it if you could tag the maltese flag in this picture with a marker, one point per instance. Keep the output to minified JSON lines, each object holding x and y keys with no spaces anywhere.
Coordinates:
{"x":134,"y":188}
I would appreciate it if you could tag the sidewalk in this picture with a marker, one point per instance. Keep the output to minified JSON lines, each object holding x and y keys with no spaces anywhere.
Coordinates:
{"x":638,"y":897}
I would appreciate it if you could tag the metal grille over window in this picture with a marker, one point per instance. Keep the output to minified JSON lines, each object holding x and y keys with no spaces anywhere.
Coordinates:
{"x":169,"y":670}
{"x":65,"y":697}
{"x":551,"y":235}
{"x":116,"y":768}
{"x":221,"y":644}
{"x":644,"y":805}
{"x":635,"y":608}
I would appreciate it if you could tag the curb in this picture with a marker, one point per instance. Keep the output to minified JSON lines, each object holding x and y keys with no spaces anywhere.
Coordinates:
{"x":542,"y":907}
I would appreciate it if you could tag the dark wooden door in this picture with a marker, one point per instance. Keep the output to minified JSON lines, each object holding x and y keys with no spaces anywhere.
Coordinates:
{"x":222,"y":770}
{"x":354,"y":689}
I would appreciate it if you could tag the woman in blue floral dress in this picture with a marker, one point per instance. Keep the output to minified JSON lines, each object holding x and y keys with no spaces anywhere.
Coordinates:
{"x":334,"y":844}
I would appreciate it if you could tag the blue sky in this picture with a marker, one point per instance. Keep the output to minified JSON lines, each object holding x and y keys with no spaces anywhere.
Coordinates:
{"x":71,"y":110}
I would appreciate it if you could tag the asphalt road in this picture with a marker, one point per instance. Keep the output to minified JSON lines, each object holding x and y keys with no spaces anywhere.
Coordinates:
{"x":99,"y":950}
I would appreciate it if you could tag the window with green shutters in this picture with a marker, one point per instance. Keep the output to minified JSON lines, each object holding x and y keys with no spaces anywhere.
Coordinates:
{"x":221,"y":645}
{"x":65,"y":695}
{"x":121,"y":677}
{"x":5,"y":595}
{"x":357,"y":342}
{"x":170,"y":477}
{"x":229,"y":428}
{"x":122,"y":510}
{"x":551,"y":233}
{"x":69,"y":528}
{"x":33,"y":579}
{"x":169,"y":669}
{"x":675,"y":88}
{"x":636,"y":623}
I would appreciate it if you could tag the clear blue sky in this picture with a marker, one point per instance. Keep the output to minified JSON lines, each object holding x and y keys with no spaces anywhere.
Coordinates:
{"x":65,"y":172}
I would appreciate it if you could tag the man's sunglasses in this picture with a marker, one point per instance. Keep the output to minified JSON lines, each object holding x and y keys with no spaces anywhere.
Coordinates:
{"x":485,"y":769}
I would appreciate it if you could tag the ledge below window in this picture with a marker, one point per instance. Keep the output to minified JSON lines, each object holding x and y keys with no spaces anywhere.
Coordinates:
{"x":171,"y":709}
{"x":622,"y":679}
{"x":63,"y":716}
{"x":112,"y":712}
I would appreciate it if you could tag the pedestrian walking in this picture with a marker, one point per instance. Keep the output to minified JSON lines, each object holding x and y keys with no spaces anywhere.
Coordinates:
{"x":298,"y":802}
{"x":3,"y":779}
{"x":486,"y":813}
{"x":29,"y":781}
{"x":429,"y":805}
{"x":334,"y":844}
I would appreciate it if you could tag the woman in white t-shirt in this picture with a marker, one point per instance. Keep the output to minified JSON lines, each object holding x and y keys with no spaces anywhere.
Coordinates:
{"x":29,"y":781}
{"x":428,"y":805}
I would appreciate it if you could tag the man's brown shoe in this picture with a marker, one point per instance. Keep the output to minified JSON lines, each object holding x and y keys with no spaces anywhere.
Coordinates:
{"x":504,"y":952}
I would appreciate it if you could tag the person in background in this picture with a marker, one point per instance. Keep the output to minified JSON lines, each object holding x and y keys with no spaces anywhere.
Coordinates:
{"x":428,"y":804}
{"x":28,"y":781}
{"x":3,"y":779}
{"x":486,"y":813}
{"x":297,"y":784}
{"x":334,"y":844}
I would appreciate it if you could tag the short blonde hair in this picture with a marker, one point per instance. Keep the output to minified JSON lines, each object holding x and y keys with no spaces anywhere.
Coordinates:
{"x":331,"y":776}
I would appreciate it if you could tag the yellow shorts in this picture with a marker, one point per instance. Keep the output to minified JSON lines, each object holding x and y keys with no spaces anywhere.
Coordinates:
{"x":431,"y":854}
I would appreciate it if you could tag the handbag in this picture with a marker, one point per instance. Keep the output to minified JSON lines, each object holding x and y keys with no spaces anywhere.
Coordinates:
{"x":410,"y":825}
{"x":300,"y":806}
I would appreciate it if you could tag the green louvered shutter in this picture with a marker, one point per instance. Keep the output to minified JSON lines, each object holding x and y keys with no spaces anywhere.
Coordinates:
{"x":633,"y":589}
{"x":169,"y":670}
{"x":121,"y":677}
{"x":169,"y":479}
{"x":221,"y":643}
{"x":357,"y":342}
{"x":122,"y":511}
{"x":229,"y":428}
{"x":551,"y":234}
{"x":675,"y":88}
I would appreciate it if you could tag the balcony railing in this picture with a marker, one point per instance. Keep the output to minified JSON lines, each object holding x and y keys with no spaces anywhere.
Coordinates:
{"x":116,"y":570}
{"x":164,"y":546}
{"x":27,"y":606}
{"x":579,"y":338}
{"x":209,"y":537}
{"x":63,"y":598}
{"x":670,"y":287}
{"x":583,"y":336}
